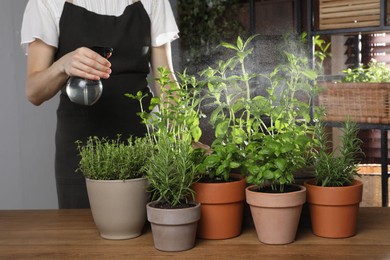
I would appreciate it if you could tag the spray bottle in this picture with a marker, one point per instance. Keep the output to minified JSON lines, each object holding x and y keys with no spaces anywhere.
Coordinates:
{"x":84,"y":91}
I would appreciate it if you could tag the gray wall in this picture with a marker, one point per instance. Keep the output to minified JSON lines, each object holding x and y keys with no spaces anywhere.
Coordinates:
{"x":26,"y":132}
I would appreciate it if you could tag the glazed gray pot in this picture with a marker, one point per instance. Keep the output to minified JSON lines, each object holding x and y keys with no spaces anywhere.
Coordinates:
{"x":173,"y":229}
{"x":118,"y":206}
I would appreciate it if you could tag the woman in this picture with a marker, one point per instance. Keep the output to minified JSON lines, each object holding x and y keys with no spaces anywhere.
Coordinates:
{"x":57,"y":36}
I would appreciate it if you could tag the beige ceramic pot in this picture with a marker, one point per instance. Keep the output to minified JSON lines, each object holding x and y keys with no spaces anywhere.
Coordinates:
{"x":118,"y":207}
{"x":276,"y":215}
{"x":221,"y":208}
{"x":173,"y":229}
{"x":334,"y":210}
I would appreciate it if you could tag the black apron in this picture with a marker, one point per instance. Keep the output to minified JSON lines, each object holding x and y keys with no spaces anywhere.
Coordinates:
{"x":113,"y":113}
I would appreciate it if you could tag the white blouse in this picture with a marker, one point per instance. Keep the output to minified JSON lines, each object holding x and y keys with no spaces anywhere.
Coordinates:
{"x":41,"y":19}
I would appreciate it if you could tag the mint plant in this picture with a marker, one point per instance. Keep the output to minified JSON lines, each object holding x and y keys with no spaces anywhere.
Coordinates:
{"x":264,"y":137}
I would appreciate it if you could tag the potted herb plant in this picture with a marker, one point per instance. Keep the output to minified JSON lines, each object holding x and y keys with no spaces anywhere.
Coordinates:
{"x":334,"y":195}
{"x":262,"y":137}
{"x":172,"y":169}
{"x":221,"y":189}
{"x":280,"y":147}
{"x":116,"y":185}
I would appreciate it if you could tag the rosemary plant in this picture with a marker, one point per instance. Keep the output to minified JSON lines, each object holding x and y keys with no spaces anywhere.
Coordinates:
{"x":172,"y":168}
{"x":331,"y":169}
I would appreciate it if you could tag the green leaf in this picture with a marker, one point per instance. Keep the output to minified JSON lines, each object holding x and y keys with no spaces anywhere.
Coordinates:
{"x":221,"y":129}
{"x":196,"y":133}
{"x":255,"y":170}
{"x":281,"y":163}
{"x":240,"y":44}
{"x":311,"y":74}
{"x":249,"y":40}
{"x":235,"y":165}
{"x":239,"y":135}
{"x":287,"y":147}
{"x":211,"y":160}
{"x":221,"y":170}
{"x":216,"y":114}
{"x":268,"y":174}
{"x":154,"y":101}
{"x":238,"y":105}
{"x":229,"y":46}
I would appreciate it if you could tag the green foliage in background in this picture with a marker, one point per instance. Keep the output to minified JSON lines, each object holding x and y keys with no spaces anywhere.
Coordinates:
{"x":203,"y":25}
{"x":374,"y":72}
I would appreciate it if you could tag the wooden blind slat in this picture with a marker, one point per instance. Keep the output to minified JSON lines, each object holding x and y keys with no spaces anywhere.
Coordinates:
{"x":333,"y":3}
{"x":338,"y":14}
{"x":374,"y":14}
{"x":351,"y":8}
{"x":351,"y":19}
{"x":381,"y":58}
{"x":349,"y":25}
{"x":380,"y":39}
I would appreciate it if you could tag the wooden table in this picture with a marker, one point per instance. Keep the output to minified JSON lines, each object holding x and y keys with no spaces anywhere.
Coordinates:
{"x":71,"y":234}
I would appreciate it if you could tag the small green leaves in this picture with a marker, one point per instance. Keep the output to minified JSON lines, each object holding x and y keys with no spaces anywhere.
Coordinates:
{"x":374,"y":72}
{"x":117,"y":159}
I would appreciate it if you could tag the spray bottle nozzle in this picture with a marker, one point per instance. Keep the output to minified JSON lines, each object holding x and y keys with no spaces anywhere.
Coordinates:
{"x":103,"y":51}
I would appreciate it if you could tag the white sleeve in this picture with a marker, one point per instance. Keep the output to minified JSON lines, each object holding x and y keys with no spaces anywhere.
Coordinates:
{"x":163,"y":23}
{"x":38,"y":23}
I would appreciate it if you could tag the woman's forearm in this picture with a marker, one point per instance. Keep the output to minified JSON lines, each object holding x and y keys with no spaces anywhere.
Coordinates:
{"x":43,"y":85}
{"x":161,"y":57}
{"x":44,"y":78}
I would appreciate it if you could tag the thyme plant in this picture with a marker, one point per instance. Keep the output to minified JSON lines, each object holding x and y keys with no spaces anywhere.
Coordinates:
{"x":105,"y":159}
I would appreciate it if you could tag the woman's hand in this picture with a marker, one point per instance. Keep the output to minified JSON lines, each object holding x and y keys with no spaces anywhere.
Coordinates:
{"x":85,"y":63}
{"x":45,"y":77}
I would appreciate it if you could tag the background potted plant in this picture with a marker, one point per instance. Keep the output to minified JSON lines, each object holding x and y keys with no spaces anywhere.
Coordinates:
{"x":172,"y":169}
{"x":334,"y":195}
{"x":361,"y":95}
{"x":374,"y":72}
{"x":117,"y":188}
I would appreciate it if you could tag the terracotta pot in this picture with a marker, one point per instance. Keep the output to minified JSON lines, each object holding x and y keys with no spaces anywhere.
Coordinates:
{"x":118,"y":207}
{"x":276,"y":215}
{"x":221,"y":208}
{"x":173,"y":229}
{"x":334,"y":210}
